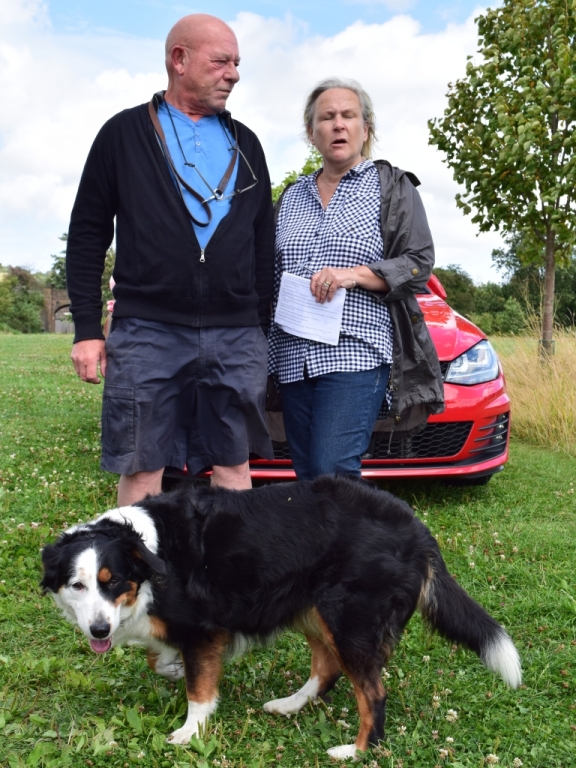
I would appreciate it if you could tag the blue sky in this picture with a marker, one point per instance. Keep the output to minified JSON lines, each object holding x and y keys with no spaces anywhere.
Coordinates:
{"x":66,"y":66}
{"x":152,"y":18}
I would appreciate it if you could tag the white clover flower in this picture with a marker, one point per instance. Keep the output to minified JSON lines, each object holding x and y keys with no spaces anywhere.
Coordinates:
{"x":402,"y":730}
{"x":426,"y":659}
{"x":250,"y":711}
{"x":343,"y":724}
{"x":472,"y":565}
{"x":452,"y":716}
{"x":386,"y":674}
{"x":449,"y":740}
{"x":492,"y":759}
{"x":443,"y":753}
{"x":517,"y":763}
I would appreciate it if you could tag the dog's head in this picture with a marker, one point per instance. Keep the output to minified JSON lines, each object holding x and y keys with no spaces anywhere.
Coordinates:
{"x":96,"y":573}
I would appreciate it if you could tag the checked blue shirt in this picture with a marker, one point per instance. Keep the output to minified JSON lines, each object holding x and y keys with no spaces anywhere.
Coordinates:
{"x":346,"y":234}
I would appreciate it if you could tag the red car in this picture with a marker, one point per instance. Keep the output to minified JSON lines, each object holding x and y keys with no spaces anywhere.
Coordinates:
{"x":468,"y":443}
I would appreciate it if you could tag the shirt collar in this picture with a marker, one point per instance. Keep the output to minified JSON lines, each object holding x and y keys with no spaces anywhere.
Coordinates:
{"x":357,"y":170}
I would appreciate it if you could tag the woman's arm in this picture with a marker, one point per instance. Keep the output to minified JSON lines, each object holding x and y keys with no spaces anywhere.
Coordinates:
{"x":326,"y":282}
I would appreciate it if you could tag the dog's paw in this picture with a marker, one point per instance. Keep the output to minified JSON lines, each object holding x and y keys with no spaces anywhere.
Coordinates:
{"x":288,"y":706}
{"x":182,"y":735}
{"x":172,"y":669}
{"x":345,"y":752}
{"x":292,"y":704}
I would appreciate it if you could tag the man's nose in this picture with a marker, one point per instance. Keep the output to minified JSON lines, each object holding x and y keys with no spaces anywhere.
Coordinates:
{"x":232,"y":73}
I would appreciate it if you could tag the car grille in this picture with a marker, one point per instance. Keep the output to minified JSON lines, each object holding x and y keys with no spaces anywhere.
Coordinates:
{"x":438,"y":440}
{"x":434,"y":442}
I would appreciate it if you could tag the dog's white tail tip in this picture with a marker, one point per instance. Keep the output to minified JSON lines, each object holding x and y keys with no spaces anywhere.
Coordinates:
{"x":501,"y":657}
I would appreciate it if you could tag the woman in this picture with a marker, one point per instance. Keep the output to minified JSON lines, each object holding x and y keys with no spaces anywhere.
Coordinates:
{"x":358,"y":225}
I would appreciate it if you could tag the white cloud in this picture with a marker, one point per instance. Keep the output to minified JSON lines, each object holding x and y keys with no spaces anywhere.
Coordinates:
{"x":59,"y":89}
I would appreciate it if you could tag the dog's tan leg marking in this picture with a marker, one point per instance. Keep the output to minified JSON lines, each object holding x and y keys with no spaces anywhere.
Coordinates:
{"x":203,"y":668}
{"x":324,"y":665}
{"x":368,"y":693}
{"x":158,"y":628}
{"x":152,"y":657}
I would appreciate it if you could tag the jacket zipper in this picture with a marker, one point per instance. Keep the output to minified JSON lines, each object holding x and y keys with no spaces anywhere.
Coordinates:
{"x":202,"y":259}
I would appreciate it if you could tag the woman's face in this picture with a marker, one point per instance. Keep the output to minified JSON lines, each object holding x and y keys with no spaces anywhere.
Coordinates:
{"x":338,"y":130}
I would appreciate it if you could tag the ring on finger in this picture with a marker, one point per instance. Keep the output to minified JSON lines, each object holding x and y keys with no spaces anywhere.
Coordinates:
{"x":326,"y":284}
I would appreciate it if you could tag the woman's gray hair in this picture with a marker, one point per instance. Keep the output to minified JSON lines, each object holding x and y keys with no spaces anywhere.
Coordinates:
{"x":365,"y":105}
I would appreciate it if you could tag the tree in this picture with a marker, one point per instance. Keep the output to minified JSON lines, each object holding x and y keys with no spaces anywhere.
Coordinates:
{"x":525,"y":282}
{"x":311,"y":164}
{"x":24,"y":310}
{"x":509,"y":133}
{"x":459,"y":286}
{"x":57,"y":275}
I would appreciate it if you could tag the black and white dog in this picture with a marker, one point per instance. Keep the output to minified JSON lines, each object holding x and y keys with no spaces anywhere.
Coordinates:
{"x":195,"y":573}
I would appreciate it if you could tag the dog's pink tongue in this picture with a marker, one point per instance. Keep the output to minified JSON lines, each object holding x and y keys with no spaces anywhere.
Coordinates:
{"x":101,"y":646}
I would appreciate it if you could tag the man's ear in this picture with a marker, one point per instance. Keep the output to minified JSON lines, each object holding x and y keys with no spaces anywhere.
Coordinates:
{"x":51,"y":557}
{"x":143,"y":554}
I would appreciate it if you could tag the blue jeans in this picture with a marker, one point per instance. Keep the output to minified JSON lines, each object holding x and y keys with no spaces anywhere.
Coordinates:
{"x":329,"y":420}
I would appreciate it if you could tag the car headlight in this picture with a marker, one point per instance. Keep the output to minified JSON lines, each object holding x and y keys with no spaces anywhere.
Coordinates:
{"x":477,"y":365}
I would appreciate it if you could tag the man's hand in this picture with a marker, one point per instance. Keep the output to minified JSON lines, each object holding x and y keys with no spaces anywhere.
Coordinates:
{"x":86,"y":356}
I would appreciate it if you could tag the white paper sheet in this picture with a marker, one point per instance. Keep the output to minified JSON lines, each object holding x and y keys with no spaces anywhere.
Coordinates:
{"x":298,"y":312}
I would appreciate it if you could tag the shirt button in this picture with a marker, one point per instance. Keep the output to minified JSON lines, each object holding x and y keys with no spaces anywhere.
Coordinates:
{"x":415,"y":271}
{"x":197,"y":143}
{"x":415,"y":318}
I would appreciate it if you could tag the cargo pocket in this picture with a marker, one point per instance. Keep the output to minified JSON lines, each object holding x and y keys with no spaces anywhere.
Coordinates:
{"x":118,"y":414}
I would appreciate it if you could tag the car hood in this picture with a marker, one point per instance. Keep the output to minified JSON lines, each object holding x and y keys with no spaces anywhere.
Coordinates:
{"x":451,"y":333}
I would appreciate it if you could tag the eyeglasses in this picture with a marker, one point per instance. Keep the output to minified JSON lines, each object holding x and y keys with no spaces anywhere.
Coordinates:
{"x":219,"y":192}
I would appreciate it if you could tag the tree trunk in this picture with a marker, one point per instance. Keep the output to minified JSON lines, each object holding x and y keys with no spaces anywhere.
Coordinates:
{"x":546,"y":343}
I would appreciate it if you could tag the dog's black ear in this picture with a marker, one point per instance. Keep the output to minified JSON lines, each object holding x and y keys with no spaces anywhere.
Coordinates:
{"x":51,"y":557}
{"x":143,"y":554}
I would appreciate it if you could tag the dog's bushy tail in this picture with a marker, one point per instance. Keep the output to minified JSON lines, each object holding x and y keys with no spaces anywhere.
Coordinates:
{"x":448,"y":609}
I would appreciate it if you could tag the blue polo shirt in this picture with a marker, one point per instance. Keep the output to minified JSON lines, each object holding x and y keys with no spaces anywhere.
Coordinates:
{"x":208,"y":145}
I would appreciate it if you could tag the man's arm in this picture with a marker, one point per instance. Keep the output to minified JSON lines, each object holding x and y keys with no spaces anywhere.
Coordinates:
{"x":89,"y":237}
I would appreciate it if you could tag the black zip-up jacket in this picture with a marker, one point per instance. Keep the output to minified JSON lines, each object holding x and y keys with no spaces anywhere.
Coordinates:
{"x":158,"y":271}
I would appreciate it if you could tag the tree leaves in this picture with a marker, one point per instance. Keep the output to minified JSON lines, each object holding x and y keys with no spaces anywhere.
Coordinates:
{"x":508,"y":131}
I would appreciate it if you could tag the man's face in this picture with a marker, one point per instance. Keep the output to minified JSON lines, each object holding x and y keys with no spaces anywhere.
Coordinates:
{"x":211,"y":71}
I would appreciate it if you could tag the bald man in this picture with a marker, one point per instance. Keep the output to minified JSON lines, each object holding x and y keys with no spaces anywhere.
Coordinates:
{"x":189,"y":191}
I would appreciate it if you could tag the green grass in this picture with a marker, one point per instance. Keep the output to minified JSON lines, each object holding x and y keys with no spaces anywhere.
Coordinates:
{"x":61,"y":705}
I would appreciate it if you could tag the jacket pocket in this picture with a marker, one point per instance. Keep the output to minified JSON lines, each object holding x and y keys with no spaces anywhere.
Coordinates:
{"x":118,"y":416}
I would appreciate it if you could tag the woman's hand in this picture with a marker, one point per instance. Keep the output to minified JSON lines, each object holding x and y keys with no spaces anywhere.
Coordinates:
{"x":325,"y":283}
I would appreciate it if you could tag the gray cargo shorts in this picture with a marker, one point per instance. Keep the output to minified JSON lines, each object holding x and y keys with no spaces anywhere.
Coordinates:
{"x":176,"y":395}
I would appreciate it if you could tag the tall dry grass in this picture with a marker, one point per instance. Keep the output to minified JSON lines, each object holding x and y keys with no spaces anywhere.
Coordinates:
{"x":543,"y":394}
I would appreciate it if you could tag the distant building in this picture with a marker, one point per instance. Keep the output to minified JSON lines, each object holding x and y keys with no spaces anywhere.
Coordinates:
{"x":56,"y":312}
